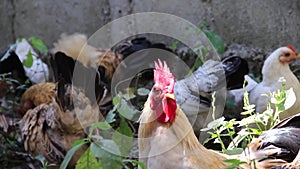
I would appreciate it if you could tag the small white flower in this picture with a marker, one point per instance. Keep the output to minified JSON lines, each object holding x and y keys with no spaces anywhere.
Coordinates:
{"x":281,"y":80}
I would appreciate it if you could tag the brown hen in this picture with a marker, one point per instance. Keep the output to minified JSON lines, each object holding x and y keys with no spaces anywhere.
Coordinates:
{"x":59,"y":113}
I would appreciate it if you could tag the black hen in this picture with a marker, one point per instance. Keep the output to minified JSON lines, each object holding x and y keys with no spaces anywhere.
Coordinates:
{"x":12,"y":64}
{"x":277,"y":147}
{"x":75,"y":73}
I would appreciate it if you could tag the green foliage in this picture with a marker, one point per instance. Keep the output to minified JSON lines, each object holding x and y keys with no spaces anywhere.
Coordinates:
{"x":88,"y":161}
{"x":215,"y":40}
{"x":121,"y":103}
{"x":252,"y":126}
{"x":106,"y":158}
{"x":202,"y":51}
{"x":213,"y":37}
{"x":71,"y":152}
{"x":13,"y":95}
{"x":123,"y":137}
{"x":29,"y":60}
{"x":100,"y":125}
{"x":110,"y":149}
{"x":42,"y":159}
{"x":38,"y":44}
{"x":235,"y":163}
{"x":174,"y":45}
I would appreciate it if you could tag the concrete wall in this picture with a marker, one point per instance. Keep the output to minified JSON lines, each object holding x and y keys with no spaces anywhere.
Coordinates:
{"x":265,"y":24}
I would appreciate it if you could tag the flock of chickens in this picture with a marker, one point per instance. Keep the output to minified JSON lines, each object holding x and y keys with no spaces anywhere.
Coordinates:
{"x":55,"y":114}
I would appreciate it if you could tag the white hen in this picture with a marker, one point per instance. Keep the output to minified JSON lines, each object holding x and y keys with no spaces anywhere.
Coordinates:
{"x":276,"y":66}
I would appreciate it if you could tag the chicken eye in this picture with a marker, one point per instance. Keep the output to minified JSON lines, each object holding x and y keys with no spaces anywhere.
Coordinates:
{"x":156,"y":90}
{"x":287,"y":54}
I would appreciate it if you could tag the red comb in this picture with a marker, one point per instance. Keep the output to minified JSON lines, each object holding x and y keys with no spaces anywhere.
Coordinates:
{"x":163,"y":76}
{"x":292,"y":48}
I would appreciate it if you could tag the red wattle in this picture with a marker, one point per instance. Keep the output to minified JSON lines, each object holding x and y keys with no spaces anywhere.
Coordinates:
{"x":170,"y":107}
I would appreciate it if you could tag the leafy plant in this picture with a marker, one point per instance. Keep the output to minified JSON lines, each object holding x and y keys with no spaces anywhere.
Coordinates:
{"x":213,"y":37}
{"x":253,"y":125}
{"x":235,"y":163}
{"x":42,"y":159}
{"x":99,"y":147}
{"x":13,"y":94}
{"x":109,"y":153}
{"x":38,"y":44}
{"x":202,"y":51}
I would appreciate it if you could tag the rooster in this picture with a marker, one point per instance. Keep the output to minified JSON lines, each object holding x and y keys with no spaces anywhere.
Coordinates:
{"x":166,"y":139}
{"x":276,"y":66}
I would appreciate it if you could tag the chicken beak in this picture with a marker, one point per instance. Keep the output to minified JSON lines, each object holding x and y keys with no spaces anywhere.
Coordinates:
{"x":297,"y":56}
{"x":170,"y":96}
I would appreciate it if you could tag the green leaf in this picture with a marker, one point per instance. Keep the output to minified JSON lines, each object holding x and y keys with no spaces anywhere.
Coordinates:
{"x":88,"y":160}
{"x":174,"y":45}
{"x":117,"y":99}
{"x":202,"y":25}
{"x":100,"y":125}
{"x":234,"y":163}
{"x":129,"y":94}
{"x":216,"y":123}
{"x":29,"y":60}
{"x":213,"y":135}
{"x":110,"y":146}
{"x":69,"y":155}
{"x":20,"y":40}
{"x":77,"y":142}
{"x":143,"y":91}
{"x":38,"y":44}
{"x":239,"y":138}
{"x":123,"y":137}
{"x":215,"y":40}
{"x":110,"y":117}
{"x":234,"y":151}
{"x":27,"y":81}
{"x":125,"y":110}
{"x":256,"y":131}
{"x":230,"y":124}
{"x":97,"y":138}
{"x":41,"y":159}
{"x":107,"y":159}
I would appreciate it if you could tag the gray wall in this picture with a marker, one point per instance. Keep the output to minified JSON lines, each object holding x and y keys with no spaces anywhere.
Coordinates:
{"x":258,"y":23}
